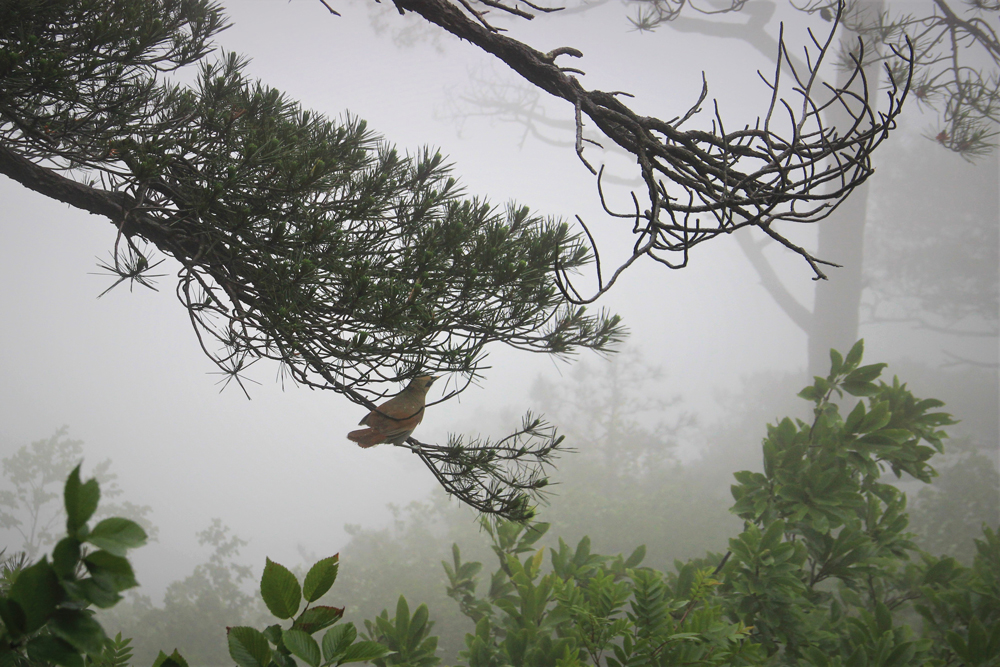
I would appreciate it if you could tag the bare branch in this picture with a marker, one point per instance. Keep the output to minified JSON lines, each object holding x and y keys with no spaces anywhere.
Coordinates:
{"x":698,"y":184}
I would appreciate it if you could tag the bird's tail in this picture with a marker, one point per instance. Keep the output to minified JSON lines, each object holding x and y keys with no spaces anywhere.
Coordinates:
{"x":365,"y":437}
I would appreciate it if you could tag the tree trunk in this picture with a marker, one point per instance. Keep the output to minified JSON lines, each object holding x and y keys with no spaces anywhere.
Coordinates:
{"x":837,"y":304}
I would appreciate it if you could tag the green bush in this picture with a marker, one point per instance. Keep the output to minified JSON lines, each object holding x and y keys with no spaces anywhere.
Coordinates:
{"x":822,"y":574}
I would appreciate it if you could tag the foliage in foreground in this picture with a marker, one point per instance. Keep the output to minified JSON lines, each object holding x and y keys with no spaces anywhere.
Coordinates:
{"x":823,"y":574}
{"x":44,"y":609}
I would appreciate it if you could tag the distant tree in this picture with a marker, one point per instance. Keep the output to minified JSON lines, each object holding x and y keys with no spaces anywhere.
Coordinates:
{"x":625,"y":426}
{"x":195,"y":608}
{"x":948,"y":515}
{"x":299,"y":239}
{"x":931,"y":262}
{"x":30,"y":504}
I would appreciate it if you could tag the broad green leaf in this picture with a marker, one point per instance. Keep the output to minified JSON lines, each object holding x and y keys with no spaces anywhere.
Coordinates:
{"x":283,"y":659}
{"x":854,"y":356}
{"x":336,"y":640}
{"x":52,"y":650}
{"x":817,"y":657}
{"x":637,"y":556}
{"x":320,"y":578}
{"x":302,"y":646}
{"x":958,"y":645}
{"x":865,"y":373}
{"x":536,"y":563}
{"x":860,"y":388}
{"x":772,"y":535}
{"x":685,"y":577}
{"x":66,"y":556}
{"x":402,"y":619}
{"x":855,"y":417}
{"x":363,"y":651}
{"x":534,"y":532}
{"x":273,"y":634}
{"x":280,"y":590}
{"x":81,"y":500}
{"x":883,"y":618}
{"x":80,"y":629}
{"x":13,"y":617}
{"x":248,"y":647}
{"x":877,"y":417}
{"x":417,"y":624}
{"x":97,"y":594}
{"x":978,"y":641}
{"x":809,"y":394}
{"x":111,"y":571}
{"x":314,"y":619}
{"x":37,"y":591}
{"x":836,"y":362}
{"x":116,"y":535}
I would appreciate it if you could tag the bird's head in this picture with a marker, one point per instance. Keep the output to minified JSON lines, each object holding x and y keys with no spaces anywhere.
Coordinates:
{"x":421,"y":384}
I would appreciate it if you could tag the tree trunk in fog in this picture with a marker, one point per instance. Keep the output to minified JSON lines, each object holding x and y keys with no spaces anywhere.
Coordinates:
{"x":837,"y":303}
{"x":834,"y":321}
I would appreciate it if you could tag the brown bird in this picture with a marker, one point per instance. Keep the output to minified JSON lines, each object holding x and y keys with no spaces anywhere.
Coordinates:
{"x":394,"y":420}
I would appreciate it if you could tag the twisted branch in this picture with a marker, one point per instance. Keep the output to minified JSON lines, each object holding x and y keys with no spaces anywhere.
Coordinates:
{"x":702,"y":184}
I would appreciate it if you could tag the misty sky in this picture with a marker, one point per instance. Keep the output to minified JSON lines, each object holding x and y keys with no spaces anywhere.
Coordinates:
{"x":125,"y":373}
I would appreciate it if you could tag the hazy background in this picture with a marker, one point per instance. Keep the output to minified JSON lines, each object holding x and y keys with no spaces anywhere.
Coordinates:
{"x":125,"y":374}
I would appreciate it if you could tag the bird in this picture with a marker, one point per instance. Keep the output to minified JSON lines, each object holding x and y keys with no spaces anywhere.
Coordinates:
{"x":394,"y":420}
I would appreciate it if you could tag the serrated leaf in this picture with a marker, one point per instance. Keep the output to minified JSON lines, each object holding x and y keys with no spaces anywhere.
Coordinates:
{"x":175,"y":659}
{"x":283,"y":659}
{"x":314,"y":619}
{"x":117,"y":535}
{"x":336,"y":640}
{"x":80,"y":500}
{"x":273,"y":634}
{"x":302,"y":646}
{"x":320,"y":578}
{"x":280,"y":590}
{"x":362,"y":651}
{"x":37,"y":591}
{"x":53,"y":650}
{"x":248,"y":647}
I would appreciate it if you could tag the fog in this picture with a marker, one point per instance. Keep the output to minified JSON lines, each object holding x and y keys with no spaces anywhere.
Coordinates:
{"x":125,"y":374}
